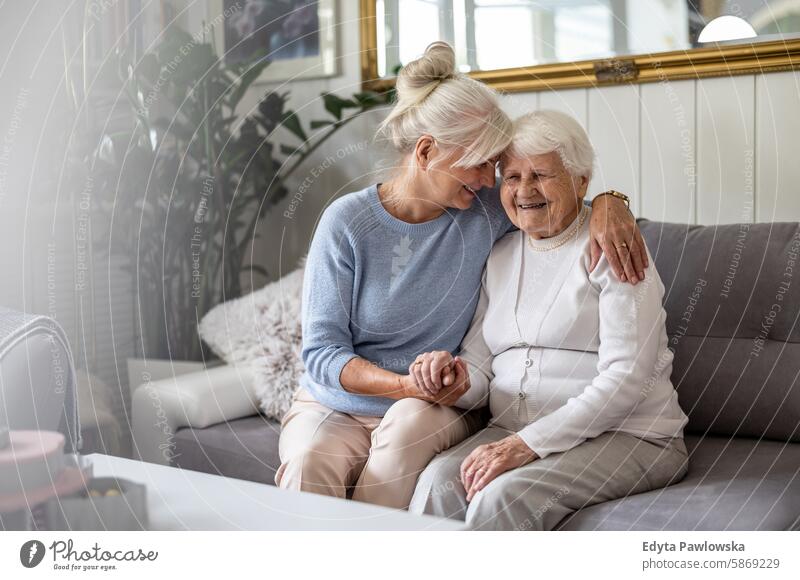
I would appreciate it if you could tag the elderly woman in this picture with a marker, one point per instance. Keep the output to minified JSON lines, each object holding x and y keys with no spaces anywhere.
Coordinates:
{"x":572,"y":363}
{"x":393,"y":271}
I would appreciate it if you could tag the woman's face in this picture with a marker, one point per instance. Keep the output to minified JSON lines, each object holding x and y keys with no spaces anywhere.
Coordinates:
{"x":539,"y":195}
{"x":456,"y":187}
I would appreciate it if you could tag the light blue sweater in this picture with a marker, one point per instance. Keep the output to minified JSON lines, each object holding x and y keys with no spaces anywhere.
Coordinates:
{"x":386,"y":290}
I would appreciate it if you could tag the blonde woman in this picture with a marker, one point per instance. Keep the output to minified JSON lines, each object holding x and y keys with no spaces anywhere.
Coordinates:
{"x":393,"y":271}
{"x":572,"y":363}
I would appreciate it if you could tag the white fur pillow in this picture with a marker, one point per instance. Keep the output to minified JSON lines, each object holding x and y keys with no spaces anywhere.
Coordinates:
{"x":262,"y":329}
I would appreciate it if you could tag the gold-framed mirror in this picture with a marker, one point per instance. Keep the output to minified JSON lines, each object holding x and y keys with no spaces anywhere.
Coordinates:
{"x":582,"y":43}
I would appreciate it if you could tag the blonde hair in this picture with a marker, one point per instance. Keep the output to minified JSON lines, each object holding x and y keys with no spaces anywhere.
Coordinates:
{"x":546,"y":131}
{"x":457,"y":111}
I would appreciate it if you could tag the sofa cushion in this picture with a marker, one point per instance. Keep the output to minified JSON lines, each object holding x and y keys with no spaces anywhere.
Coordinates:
{"x":243,"y":449}
{"x":733,"y":306}
{"x":732,"y":484}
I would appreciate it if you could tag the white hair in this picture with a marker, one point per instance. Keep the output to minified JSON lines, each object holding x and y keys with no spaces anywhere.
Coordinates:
{"x":457,"y":111}
{"x":545,"y":131}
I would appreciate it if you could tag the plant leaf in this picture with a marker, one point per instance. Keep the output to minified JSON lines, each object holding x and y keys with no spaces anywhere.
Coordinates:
{"x":289,"y":150}
{"x":335,"y":104}
{"x":292,"y":124}
{"x":248,"y":77}
{"x":369,"y":99}
{"x":320,"y":124}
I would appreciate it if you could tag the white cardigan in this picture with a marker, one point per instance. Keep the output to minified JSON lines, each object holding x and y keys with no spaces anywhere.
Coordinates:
{"x":562,"y":355}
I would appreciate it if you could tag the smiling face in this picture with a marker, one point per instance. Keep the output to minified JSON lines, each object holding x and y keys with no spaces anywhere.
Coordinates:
{"x":456,"y":187}
{"x":539,"y":195}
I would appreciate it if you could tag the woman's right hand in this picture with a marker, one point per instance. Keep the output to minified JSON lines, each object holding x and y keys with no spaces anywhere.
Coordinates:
{"x":433,"y":371}
{"x":453,"y":377}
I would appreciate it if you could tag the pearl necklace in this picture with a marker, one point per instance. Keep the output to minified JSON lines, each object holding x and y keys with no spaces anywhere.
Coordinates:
{"x":566,"y":238}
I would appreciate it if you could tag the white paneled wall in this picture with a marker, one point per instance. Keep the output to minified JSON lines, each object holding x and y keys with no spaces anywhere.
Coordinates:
{"x":573,"y":102}
{"x":518,"y":103}
{"x":715,"y":150}
{"x":613,"y":117}
{"x":667,"y":148}
{"x":777,"y":171}
{"x":725,"y":109}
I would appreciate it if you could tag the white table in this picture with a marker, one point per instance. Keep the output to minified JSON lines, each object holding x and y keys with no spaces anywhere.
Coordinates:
{"x":180,"y":499}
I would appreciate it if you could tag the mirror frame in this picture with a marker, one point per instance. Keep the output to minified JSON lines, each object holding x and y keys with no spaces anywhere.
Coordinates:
{"x":714,"y":60}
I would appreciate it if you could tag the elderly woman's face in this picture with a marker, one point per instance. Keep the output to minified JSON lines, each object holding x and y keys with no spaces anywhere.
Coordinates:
{"x":539,"y":195}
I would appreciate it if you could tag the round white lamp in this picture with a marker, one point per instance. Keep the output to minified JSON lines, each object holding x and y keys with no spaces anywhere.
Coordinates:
{"x":726,"y":28}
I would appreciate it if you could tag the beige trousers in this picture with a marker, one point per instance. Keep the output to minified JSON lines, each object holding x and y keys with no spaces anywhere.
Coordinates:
{"x":378,"y":459}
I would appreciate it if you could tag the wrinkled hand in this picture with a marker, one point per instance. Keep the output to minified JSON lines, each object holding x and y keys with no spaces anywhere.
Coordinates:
{"x":432,"y":371}
{"x":455,"y":382}
{"x":614,"y":232}
{"x":488,"y":461}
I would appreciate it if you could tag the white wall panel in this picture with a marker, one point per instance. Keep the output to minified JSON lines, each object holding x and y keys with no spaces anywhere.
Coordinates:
{"x":516,"y":104}
{"x":725,"y":149}
{"x":668,"y":152}
{"x":572,"y":102}
{"x":614,"y":131}
{"x":778,"y":146}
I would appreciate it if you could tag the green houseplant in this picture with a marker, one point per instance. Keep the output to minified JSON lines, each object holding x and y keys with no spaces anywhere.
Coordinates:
{"x":191,"y":178}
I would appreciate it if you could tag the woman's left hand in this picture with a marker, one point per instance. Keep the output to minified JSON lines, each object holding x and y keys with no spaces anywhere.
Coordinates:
{"x":614,"y":233}
{"x":488,"y":461}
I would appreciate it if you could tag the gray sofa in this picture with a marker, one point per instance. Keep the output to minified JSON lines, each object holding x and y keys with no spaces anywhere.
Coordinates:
{"x":733,"y":306}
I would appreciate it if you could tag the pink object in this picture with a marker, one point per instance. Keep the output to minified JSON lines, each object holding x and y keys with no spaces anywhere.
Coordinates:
{"x":26,"y":446}
{"x":32,"y":469}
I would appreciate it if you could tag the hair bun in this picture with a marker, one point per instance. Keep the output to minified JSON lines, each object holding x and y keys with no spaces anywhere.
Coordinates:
{"x":434,"y":99}
{"x":436,"y":65}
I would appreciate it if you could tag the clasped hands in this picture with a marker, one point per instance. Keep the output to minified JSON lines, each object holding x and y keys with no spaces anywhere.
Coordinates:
{"x":441,"y":378}
{"x":437,"y":377}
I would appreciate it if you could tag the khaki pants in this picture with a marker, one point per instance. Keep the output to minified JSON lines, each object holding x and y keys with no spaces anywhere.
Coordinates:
{"x":539,"y":495}
{"x":377,"y":458}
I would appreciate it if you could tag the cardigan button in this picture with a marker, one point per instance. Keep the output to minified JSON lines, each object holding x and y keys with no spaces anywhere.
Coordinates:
{"x":528,"y":362}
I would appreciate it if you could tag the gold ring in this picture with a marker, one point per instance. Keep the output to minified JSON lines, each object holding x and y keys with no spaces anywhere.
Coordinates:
{"x":419,"y":362}
{"x":622,"y":245}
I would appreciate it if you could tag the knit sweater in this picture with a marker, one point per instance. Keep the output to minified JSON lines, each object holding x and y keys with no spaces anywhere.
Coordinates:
{"x":386,"y":290}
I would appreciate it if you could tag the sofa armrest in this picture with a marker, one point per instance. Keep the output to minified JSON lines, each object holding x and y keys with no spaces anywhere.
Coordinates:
{"x":33,"y":380}
{"x":198,"y":399}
